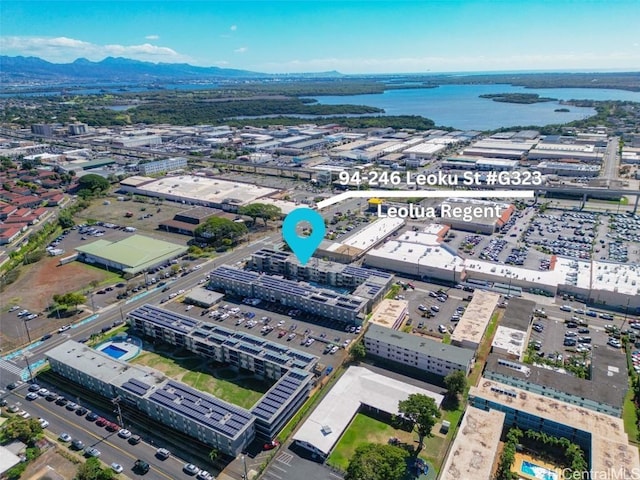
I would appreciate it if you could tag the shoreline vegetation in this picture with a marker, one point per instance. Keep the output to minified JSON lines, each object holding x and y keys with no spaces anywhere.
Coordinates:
{"x":522,"y":98}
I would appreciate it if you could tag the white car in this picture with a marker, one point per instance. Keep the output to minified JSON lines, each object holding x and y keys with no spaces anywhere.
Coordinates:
{"x":116,"y":467}
{"x":124,"y":433}
{"x":65,"y":437}
{"x":43,"y":423}
{"x":189,"y":307}
{"x":24,"y":414}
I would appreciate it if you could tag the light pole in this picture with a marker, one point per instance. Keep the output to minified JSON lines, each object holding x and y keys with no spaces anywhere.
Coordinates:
{"x":244,"y":463}
{"x":116,"y":402}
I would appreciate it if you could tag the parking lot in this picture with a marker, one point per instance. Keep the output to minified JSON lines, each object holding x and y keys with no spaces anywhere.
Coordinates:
{"x":274,"y":323}
{"x":622,"y":238}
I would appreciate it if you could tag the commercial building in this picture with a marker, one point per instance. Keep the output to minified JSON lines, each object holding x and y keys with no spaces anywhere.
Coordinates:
{"x":358,"y":389}
{"x":161,"y":166}
{"x":43,"y":129}
{"x":197,"y":190}
{"x":418,"y":254}
{"x":78,"y":128}
{"x":297,"y":295}
{"x":223,"y":426}
{"x":601,"y":436}
{"x":364,"y":282}
{"x":133,"y":254}
{"x":137,"y":141}
{"x":493,"y":215}
{"x":475,"y":448}
{"x":417,"y":352}
{"x":474,"y":321}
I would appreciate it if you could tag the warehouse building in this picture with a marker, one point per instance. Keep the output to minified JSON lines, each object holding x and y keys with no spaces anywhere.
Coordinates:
{"x":132,"y":255}
{"x":417,"y":352}
{"x":568,"y":169}
{"x":297,"y":295}
{"x":493,"y":215}
{"x":225,"y":427}
{"x":161,"y":166}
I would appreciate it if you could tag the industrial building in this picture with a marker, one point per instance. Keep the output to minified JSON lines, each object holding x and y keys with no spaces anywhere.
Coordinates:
{"x":495,"y":215}
{"x":358,"y":389}
{"x":568,"y":169}
{"x":161,"y":166}
{"x":416,"y":352}
{"x":297,"y":295}
{"x":132,"y":255}
{"x":223,"y":426}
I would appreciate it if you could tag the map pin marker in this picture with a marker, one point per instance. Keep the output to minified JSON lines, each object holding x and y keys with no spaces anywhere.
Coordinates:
{"x":303,"y":247}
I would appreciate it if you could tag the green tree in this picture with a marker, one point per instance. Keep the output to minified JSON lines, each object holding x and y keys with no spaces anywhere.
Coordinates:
{"x":92,"y":470}
{"x":71,"y":299}
{"x":25,"y":430}
{"x":93,"y":183}
{"x":65,"y":220}
{"x":456,"y":383}
{"x":261,"y":210}
{"x":216,"y":229}
{"x":358,"y":351}
{"x":373,"y":461}
{"x":214,"y":454}
{"x":422,"y":412}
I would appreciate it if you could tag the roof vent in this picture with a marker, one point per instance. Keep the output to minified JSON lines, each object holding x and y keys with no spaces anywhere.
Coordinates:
{"x":326,"y":430}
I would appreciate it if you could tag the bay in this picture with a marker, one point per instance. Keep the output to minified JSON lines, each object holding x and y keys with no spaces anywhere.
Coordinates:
{"x":459,"y":106}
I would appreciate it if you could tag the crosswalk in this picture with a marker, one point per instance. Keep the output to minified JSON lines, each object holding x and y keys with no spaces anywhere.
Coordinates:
{"x":10,"y":367}
{"x":285,"y":458}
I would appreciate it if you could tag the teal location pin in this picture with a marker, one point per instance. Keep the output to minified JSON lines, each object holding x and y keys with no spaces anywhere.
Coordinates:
{"x":303,"y":247}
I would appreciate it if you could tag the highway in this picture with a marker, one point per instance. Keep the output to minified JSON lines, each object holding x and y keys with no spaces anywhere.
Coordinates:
{"x":610,"y":159}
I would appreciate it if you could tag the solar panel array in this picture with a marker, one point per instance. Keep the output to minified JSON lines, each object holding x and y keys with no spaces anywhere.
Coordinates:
{"x":234,"y":274}
{"x":209,"y":411}
{"x":365,"y":272}
{"x":280,"y":394}
{"x":136,"y":386}
{"x":164,"y":318}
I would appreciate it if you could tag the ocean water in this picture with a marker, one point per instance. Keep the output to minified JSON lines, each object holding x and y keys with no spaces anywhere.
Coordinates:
{"x":459,"y":106}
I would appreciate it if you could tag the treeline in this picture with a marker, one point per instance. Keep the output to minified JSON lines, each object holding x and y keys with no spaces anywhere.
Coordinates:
{"x":412,"y":122}
{"x":523,"y":98}
{"x":192,"y":113}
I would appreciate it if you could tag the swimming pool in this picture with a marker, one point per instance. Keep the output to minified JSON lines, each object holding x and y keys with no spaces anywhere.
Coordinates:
{"x":537,"y":471}
{"x":113,"y":351}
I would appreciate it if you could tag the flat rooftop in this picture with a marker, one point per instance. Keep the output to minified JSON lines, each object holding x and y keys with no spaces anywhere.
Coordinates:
{"x":212,"y":190}
{"x":476,"y":317}
{"x":610,"y":449}
{"x":608,"y":390}
{"x":356,"y":387}
{"x":387,"y":314}
{"x":373,"y":233}
{"x":449,"y":353}
{"x":510,"y":340}
{"x":475,"y":447}
{"x":134,"y":253}
{"x":518,"y":314}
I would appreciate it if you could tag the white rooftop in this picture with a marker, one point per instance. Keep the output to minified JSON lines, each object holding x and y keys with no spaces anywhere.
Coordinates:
{"x":475,"y":447}
{"x":357,"y":386}
{"x":373,"y":233}
{"x":510,"y":340}
{"x":475,"y":319}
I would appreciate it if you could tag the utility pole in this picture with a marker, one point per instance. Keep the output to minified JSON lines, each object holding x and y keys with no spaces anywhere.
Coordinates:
{"x":25,"y":353}
{"x":244,"y":463}
{"x":116,"y":402}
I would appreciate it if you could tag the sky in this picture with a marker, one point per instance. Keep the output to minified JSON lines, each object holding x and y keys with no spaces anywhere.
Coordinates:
{"x":352,"y":37}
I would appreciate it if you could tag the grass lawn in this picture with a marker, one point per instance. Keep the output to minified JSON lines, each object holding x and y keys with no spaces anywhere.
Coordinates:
{"x":364,"y":429}
{"x":241,"y":390}
{"x":629,"y":417}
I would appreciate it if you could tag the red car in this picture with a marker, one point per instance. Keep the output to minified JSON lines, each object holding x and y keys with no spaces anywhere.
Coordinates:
{"x":113,"y":427}
{"x":271,"y":445}
{"x":101,"y":422}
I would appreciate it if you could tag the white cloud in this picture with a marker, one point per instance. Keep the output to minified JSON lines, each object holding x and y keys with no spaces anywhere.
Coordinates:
{"x":152,"y":37}
{"x":63,"y":49}
{"x":233,"y":28}
{"x":241,"y":50}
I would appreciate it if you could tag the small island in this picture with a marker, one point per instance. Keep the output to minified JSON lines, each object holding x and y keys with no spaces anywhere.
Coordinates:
{"x":563,"y":110}
{"x":524,"y":98}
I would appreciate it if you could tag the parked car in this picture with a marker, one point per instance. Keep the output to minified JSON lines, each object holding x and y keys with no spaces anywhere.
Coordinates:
{"x":271,"y":445}
{"x":163,"y":453}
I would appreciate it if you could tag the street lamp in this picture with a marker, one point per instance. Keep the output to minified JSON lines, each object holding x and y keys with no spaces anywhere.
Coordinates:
{"x":25,"y":353}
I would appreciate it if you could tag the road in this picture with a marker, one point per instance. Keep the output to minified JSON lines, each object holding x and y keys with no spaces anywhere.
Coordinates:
{"x":14,"y":366}
{"x":610,"y":159}
{"x":112,"y":448}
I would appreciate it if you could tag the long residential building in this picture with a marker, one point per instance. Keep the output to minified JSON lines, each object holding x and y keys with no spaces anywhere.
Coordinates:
{"x":160,"y":166}
{"x":223,"y":426}
{"x":297,"y":295}
{"x":417,"y":352}
{"x":290,"y":368}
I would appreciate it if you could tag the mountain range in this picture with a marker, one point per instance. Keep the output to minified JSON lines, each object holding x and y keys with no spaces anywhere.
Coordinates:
{"x":111,"y":70}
